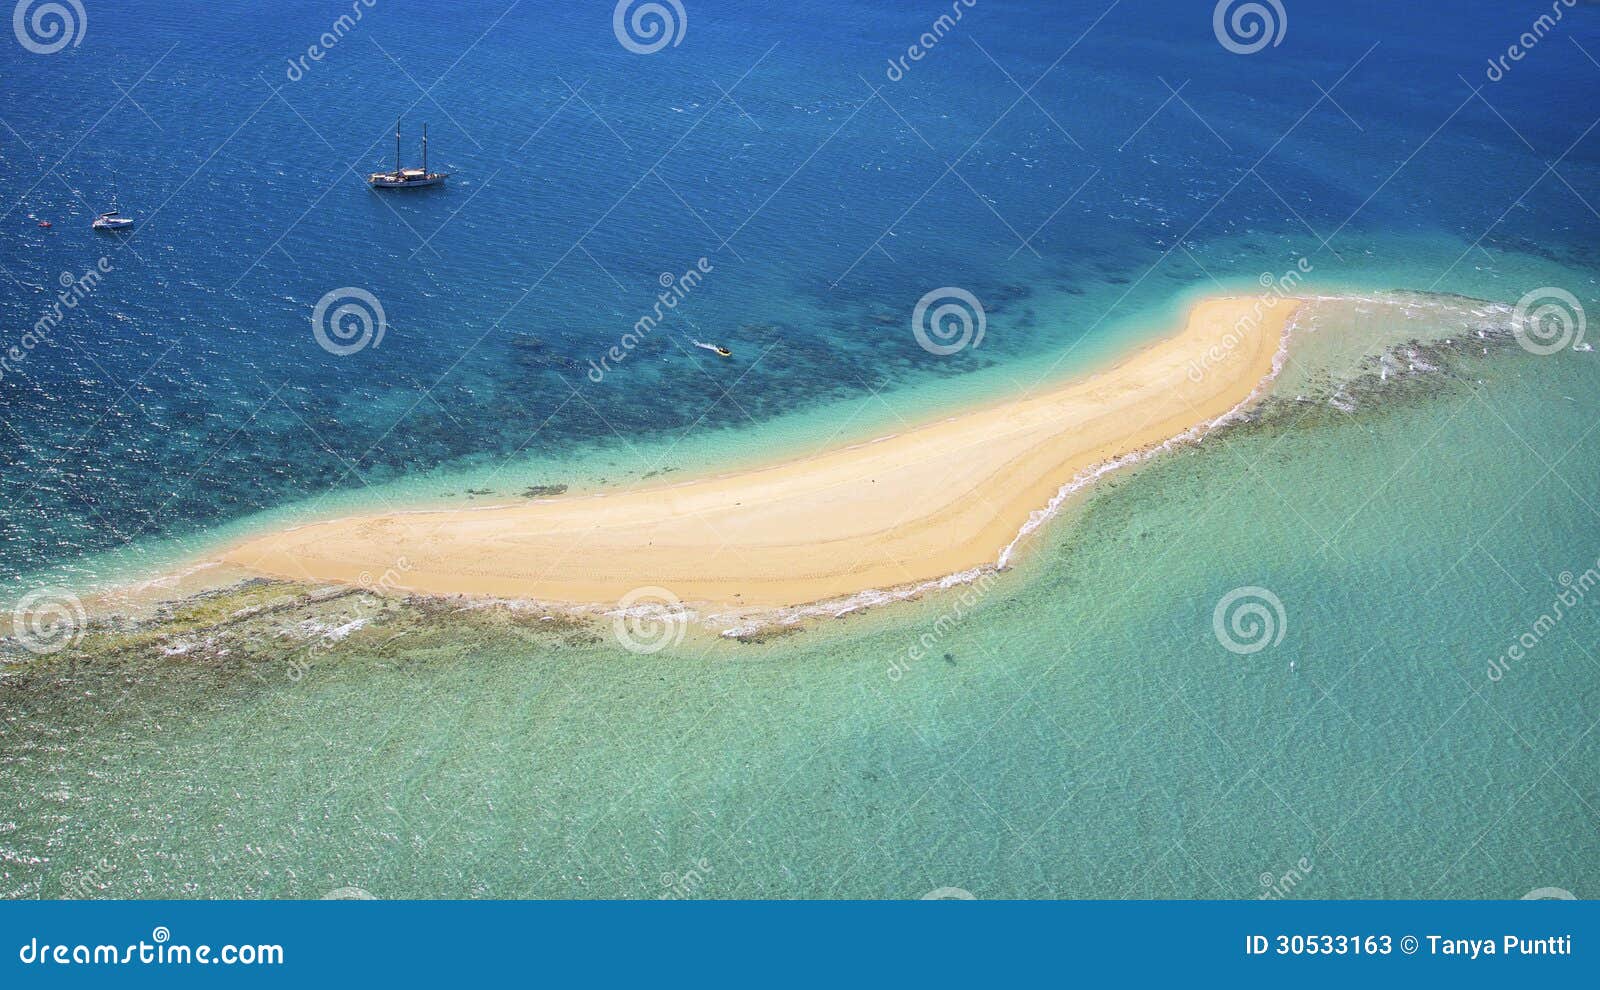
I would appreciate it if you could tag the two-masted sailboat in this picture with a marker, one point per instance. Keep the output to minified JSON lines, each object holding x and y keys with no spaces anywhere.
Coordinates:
{"x":407,"y":178}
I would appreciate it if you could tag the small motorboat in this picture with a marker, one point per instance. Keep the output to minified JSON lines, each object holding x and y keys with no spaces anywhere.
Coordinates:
{"x":112,"y":220}
{"x":716,"y":349}
{"x":44,"y":224}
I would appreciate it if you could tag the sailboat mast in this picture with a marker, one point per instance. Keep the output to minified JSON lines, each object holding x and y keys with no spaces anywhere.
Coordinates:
{"x":397,"y":146}
{"x":424,"y":150}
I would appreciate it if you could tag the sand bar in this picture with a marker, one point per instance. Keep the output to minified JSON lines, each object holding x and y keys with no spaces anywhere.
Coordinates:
{"x":934,"y":500}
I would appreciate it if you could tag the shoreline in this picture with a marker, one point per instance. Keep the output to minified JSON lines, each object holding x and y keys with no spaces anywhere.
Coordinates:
{"x":916,"y":508}
{"x":133,"y":579}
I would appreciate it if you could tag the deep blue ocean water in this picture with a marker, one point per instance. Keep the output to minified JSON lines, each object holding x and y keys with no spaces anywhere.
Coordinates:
{"x":1081,"y":731}
{"x":1071,"y":164}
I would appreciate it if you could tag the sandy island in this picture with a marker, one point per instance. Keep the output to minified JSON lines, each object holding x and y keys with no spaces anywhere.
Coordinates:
{"x":939,"y":499}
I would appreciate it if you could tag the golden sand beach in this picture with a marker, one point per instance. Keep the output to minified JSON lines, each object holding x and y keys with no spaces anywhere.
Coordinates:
{"x":937,"y":499}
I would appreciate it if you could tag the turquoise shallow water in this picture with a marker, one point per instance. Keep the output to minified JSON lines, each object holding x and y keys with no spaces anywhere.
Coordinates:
{"x":1073,"y":729}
